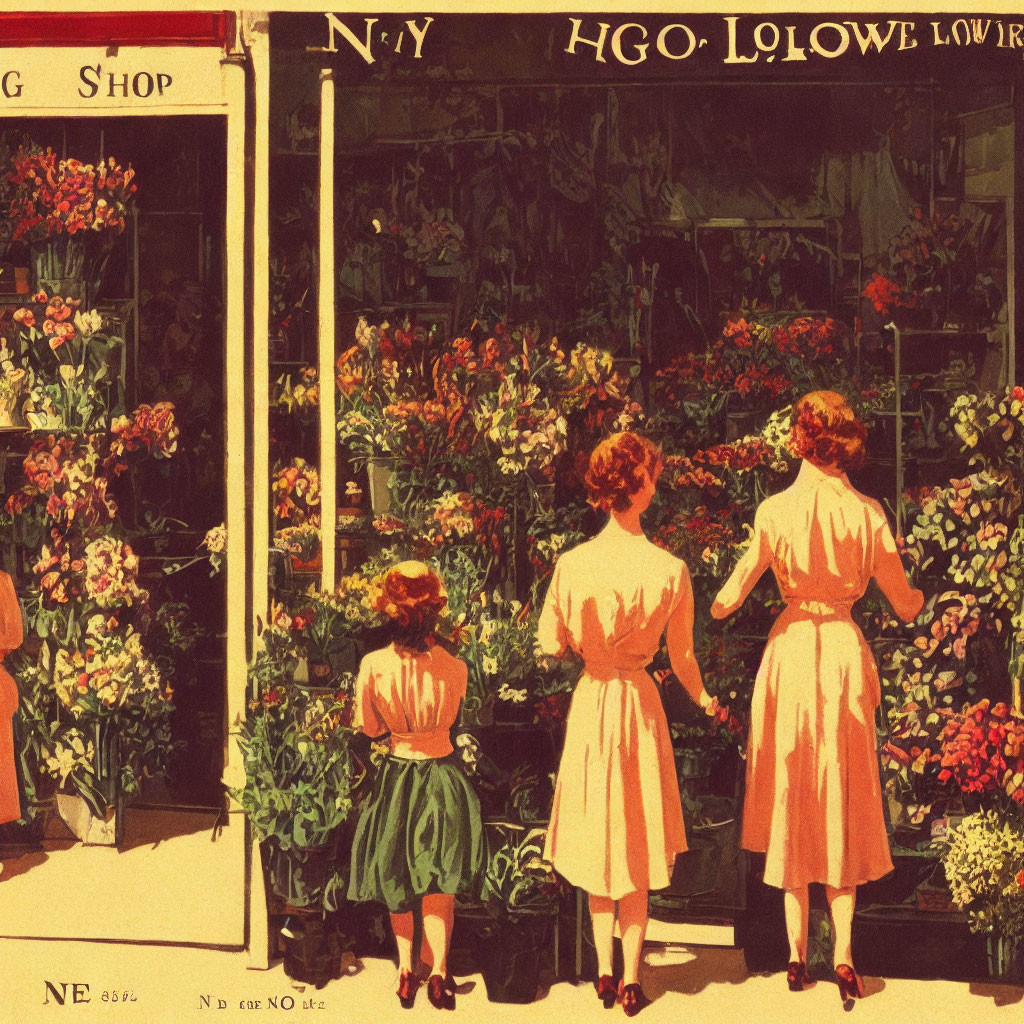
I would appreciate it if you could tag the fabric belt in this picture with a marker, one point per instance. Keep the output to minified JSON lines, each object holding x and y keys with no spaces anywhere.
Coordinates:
{"x":610,"y":668}
{"x":814,"y":607}
{"x":419,"y":746}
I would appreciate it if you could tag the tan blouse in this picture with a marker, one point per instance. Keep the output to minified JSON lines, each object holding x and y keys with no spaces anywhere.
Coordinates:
{"x":824,"y":540}
{"x":413,"y":695}
{"x":610,"y":600}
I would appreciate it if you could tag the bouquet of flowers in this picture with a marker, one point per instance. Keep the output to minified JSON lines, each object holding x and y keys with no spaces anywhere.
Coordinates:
{"x":69,"y":359}
{"x":983,"y":751}
{"x":66,"y":197}
{"x":983,"y":864}
{"x":296,"y":492}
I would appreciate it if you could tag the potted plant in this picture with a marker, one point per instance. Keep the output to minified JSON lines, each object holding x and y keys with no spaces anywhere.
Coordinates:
{"x":69,"y":212}
{"x":983,"y":857}
{"x":299,"y":778}
{"x":520,"y":893}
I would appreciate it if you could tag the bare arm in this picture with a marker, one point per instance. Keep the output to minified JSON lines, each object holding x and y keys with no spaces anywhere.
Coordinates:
{"x":679,"y":639}
{"x":748,"y":571}
{"x":888,"y":571}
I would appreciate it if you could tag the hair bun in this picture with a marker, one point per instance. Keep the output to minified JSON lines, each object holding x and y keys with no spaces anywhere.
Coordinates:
{"x":614,"y":473}
{"x":826,"y":431}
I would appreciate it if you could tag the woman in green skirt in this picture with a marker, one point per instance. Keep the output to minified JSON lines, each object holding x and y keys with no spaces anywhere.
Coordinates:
{"x":419,"y":840}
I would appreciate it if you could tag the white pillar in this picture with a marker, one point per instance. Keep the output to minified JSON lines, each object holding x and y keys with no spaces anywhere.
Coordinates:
{"x":258,"y":39}
{"x":236,"y":563}
{"x":328,"y":428}
{"x":256,"y":33}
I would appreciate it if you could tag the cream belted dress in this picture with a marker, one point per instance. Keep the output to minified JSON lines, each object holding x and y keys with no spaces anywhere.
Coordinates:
{"x":11,"y":636}
{"x":616,"y":819}
{"x":813,"y":798}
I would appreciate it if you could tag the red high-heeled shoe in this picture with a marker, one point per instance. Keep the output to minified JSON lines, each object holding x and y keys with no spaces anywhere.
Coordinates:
{"x":441,"y":991}
{"x":851,"y":986}
{"x":797,"y":976}
{"x":408,"y":986}
{"x":607,"y":990}
{"x":632,"y":998}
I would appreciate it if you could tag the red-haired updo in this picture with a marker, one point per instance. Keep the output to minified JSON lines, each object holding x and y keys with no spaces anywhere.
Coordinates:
{"x":412,"y":597}
{"x":615,"y":471}
{"x":826,"y":431}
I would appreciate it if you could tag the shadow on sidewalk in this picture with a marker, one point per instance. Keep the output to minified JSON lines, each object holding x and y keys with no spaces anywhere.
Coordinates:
{"x":691,"y":969}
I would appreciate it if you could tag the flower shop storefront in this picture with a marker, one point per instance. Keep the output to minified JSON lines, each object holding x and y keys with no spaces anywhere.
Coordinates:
{"x":122,"y":354}
{"x":472,"y":250}
{"x":473,"y":276}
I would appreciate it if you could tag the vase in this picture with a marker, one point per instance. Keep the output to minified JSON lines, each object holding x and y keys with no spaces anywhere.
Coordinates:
{"x":1002,"y":953}
{"x":89,"y":829}
{"x":380,"y":472}
{"x":10,"y":404}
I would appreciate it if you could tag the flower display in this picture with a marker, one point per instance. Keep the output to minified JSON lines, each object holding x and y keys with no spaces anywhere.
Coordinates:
{"x":65,"y":474}
{"x":112,"y":671}
{"x":886,"y":296}
{"x":111,"y":574}
{"x":151,"y":429}
{"x":983,"y":750}
{"x":296,"y":492}
{"x":65,"y":197}
{"x":303,"y":395}
{"x":302,"y":541}
{"x":68,"y":356}
{"x":981,"y":861}
{"x":70,"y":754}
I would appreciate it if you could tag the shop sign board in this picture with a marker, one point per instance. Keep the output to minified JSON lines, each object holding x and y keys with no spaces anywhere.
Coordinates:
{"x":132,"y":79}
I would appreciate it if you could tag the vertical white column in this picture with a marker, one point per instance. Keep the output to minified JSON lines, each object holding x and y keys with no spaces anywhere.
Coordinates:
{"x":257,"y":37}
{"x":256,"y":31}
{"x":236,"y":565}
{"x":328,"y":429}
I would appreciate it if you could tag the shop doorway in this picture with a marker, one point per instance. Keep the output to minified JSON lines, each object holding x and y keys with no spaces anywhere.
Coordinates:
{"x":157,"y":423}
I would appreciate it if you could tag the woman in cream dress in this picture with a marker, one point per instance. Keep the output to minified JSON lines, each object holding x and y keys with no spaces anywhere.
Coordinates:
{"x":10,"y":639}
{"x":813,"y":798}
{"x":616,"y":819}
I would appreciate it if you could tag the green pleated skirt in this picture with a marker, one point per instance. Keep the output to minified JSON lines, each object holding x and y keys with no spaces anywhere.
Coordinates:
{"x":420,"y":833}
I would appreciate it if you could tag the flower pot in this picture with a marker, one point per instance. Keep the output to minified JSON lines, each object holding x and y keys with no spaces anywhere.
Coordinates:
{"x":321,"y":673}
{"x":313,"y":566}
{"x":312,"y":948}
{"x":1003,"y":957}
{"x":89,"y":829}
{"x":380,"y":472}
{"x":298,"y":875}
{"x":509,"y":959}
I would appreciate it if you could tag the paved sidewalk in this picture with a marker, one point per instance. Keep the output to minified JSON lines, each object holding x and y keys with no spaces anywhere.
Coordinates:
{"x":699,"y":984}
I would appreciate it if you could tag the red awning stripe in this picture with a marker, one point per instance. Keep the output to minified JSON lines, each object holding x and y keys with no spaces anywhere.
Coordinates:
{"x":184,"y":28}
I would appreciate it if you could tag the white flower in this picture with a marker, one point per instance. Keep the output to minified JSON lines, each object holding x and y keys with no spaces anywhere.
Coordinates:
{"x":216,"y":539}
{"x":509,"y":467}
{"x":88,"y":323}
{"x":506,"y":692}
{"x":490,"y":665}
{"x":352,"y":489}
